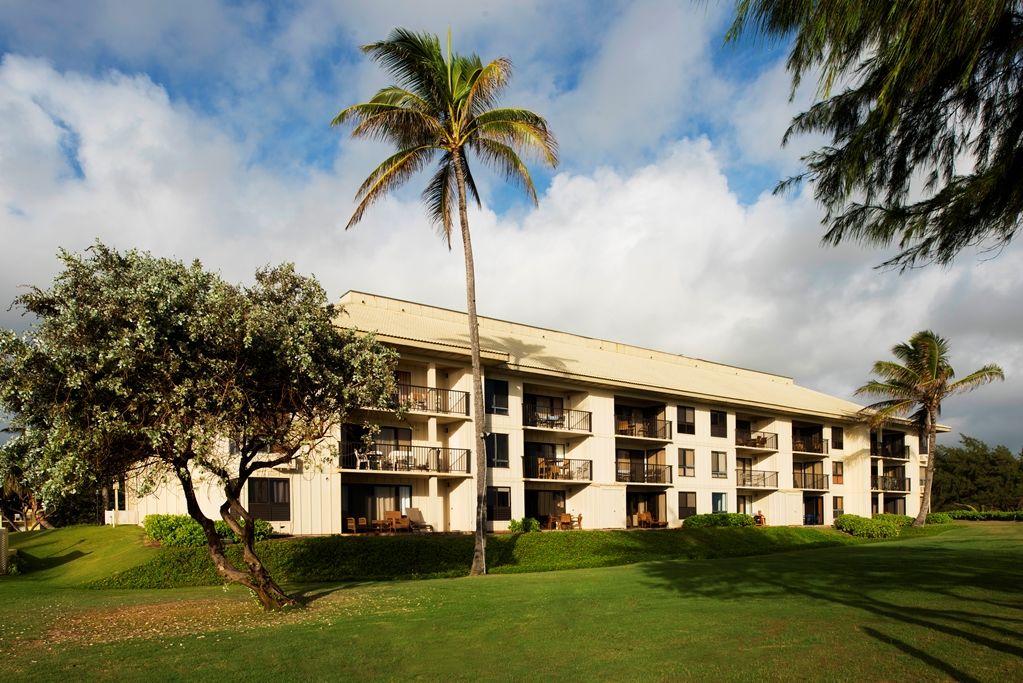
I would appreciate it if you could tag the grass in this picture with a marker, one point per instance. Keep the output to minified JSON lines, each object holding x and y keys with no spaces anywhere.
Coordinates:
{"x":930,"y":606}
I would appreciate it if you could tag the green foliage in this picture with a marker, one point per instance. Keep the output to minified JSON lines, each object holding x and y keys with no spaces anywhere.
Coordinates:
{"x":897,"y":520}
{"x":925,"y":145}
{"x":183,"y":531}
{"x":939,"y":518}
{"x":976,"y":475}
{"x":14,"y":563}
{"x":526,"y":524}
{"x":719,"y":519}
{"x":862,"y":527}
{"x":988,"y":515}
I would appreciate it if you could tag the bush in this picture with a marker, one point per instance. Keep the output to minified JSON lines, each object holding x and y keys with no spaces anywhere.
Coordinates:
{"x":988,"y":516}
{"x":939,"y":518}
{"x":718,"y":519}
{"x":526,"y":525}
{"x":898,"y":520}
{"x":181,"y":531}
{"x":862,"y":527}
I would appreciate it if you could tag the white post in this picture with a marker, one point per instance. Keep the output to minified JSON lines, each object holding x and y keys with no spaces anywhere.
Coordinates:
{"x":117,"y":488}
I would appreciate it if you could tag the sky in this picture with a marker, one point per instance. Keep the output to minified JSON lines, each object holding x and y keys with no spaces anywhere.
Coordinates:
{"x":200,"y":130}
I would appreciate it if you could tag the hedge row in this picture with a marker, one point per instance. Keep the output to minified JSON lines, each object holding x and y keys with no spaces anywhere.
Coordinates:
{"x":719,"y":519}
{"x":898,"y":520}
{"x":862,"y":527}
{"x":181,"y":531}
{"x":989,"y":516}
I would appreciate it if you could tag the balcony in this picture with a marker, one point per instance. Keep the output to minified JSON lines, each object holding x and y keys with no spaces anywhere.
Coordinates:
{"x":557,"y":470}
{"x":557,"y":419}
{"x":806,"y":480}
{"x":764,"y":441}
{"x":886,"y":483}
{"x":649,"y":428}
{"x":390,"y":457}
{"x":809,"y":444}
{"x":417,"y":399}
{"x":892,"y":451}
{"x":643,"y":473}
{"x":756,"y":479}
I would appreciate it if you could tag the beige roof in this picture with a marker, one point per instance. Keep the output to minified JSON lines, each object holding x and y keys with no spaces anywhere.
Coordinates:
{"x":538,"y":351}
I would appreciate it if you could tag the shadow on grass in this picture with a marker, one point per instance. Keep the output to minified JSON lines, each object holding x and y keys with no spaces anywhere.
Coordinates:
{"x":895,"y":582}
{"x":33,"y":563}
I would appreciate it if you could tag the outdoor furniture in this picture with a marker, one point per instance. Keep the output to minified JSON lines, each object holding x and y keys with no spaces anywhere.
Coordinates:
{"x":644,"y":519}
{"x":552,"y":522}
{"x":401,"y":460}
{"x":397,"y":521}
{"x":363,"y":524}
{"x":415,"y":518}
{"x":361,"y":461}
{"x":565,"y":522}
{"x":350,"y":525}
{"x":579,"y":522}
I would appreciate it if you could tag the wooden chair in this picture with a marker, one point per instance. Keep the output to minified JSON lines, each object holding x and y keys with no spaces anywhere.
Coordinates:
{"x":397,"y":521}
{"x":643,"y":519}
{"x":415,"y":518}
{"x":363,"y":524}
{"x":565,"y":522}
{"x":350,"y":525}
{"x":579,"y":522}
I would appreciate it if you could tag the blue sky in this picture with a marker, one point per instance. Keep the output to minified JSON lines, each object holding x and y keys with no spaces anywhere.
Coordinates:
{"x":200,"y":130}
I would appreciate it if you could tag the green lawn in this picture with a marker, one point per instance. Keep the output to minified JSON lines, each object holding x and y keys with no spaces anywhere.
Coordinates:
{"x":945,"y":606}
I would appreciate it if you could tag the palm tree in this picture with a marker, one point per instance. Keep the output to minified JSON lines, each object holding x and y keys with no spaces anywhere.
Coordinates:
{"x":441,"y":106}
{"x":916,"y":388}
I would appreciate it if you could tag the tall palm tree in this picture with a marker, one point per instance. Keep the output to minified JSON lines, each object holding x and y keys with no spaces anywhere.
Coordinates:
{"x":915,"y":387}
{"x":441,"y":106}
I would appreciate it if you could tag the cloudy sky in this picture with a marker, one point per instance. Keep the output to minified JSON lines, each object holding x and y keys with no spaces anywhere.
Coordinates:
{"x":198,"y":129}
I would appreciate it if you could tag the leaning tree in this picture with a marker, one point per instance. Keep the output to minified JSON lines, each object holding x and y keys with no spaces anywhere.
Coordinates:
{"x":144,"y":364}
{"x":914,"y":386}
{"x":441,"y":109}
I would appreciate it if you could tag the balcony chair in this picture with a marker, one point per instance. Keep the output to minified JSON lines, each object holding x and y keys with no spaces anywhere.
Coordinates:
{"x":415,"y":518}
{"x":361,"y":461}
{"x":350,"y":526}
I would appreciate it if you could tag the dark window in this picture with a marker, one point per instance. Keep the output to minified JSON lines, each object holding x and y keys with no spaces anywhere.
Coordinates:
{"x":686,"y":420}
{"x":719,"y":465}
{"x":686,"y":504}
{"x":922,"y":448}
{"x":495,"y":396}
{"x":402,"y":377}
{"x":270,"y":499}
{"x":838,"y":506}
{"x":498,"y":504}
{"x":719,"y":502}
{"x":718,"y":423}
{"x":497,"y":450}
{"x":686,"y":462}
{"x":837,"y":437}
{"x":837,"y":472}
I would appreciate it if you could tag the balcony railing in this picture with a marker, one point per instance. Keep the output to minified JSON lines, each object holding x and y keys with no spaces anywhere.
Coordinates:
{"x":885,"y":483}
{"x":806,"y":480}
{"x":896,"y":451}
{"x":554,"y":418}
{"x":756,"y":479}
{"x":649,"y":428}
{"x":562,"y":470}
{"x":642,"y":473}
{"x":809,"y":444}
{"x":404,"y":458}
{"x":765,"y":440}
{"x":429,"y":400}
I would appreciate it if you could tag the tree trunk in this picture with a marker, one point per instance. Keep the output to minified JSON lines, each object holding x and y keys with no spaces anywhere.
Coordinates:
{"x":925,"y":502}
{"x":479,"y":556}
{"x":267,"y":590}
{"x":104,"y":496}
{"x":268,"y":598}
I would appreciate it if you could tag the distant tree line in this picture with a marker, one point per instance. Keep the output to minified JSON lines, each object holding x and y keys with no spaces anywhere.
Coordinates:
{"x":976,"y":475}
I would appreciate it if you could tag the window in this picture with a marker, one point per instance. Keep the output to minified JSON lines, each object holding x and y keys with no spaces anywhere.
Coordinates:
{"x":270,"y":499}
{"x":495,"y":396}
{"x":838,"y":506}
{"x":498,"y":503}
{"x":686,"y":420}
{"x":686,"y":504}
{"x":718,"y":464}
{"x":922,"y":445}
{"x":718,"y":423}
{"x":497,"y":450}
{"x":686,"y":462}
{"x":837,"y":472}
{"x":837,"y":438}
{"x":719,"y":502}
{"x":402,"y":378}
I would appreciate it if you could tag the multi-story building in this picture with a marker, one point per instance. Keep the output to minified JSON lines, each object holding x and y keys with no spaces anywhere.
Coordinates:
{"x":582,"y":426}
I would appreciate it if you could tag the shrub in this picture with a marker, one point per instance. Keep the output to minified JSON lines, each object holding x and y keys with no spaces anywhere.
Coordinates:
{"x":898,"y":520}
{"x":719,"y":519}
{"x":181,"y":531}
{"x":527,"y":524}
{"x":939,"y":518}
{"x":862,"y":527}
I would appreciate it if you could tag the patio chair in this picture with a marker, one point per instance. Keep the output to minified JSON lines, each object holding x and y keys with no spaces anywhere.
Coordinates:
{"x":415,"y":518}
{"x":566,"y":522}
{"x":361,"y":461}
{"x":363,"y":524}
{"x":350,"y":525}
{"x":579,"y":522}
{"x":644,"y":519}
{"x":397,"y":521}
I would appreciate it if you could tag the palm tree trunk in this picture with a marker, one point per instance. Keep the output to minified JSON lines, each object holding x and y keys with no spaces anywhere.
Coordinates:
{"x":479,"y":556}
{"x":925,"y":501}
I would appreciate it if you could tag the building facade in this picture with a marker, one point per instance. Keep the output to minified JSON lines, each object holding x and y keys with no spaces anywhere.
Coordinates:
{"x":618,"y":434}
